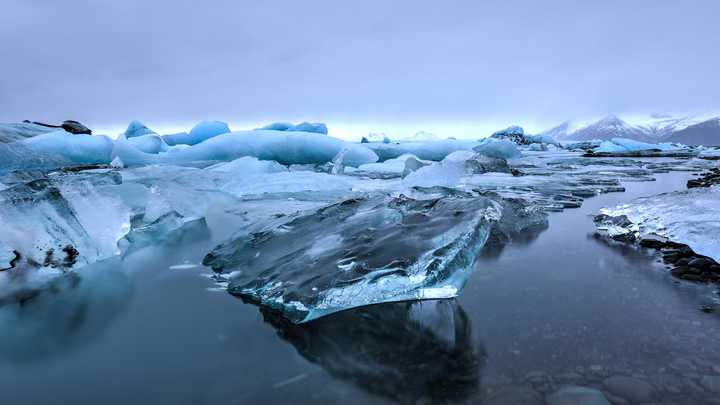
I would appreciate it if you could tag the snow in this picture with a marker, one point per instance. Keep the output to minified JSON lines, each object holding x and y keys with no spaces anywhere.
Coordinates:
{"x":137,"y":128}
{"x":81,"y":149}
{"x":314,"y":127}
{"x":690,"y":217}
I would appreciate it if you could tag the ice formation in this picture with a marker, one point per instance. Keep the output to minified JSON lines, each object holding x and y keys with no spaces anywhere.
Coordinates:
{"x":137,"y":128}
{"x":149,"y":143}
{"x":498,"y":148}
{"x":313,"y":127}
{"x":79,"y":149}
{"x":357,"y":252}
{"x":199,"y":133}
{"x":283,"y":147}
{"x":690,"y":217}
{"x":15,"y":132}
{"x":430,"y":150}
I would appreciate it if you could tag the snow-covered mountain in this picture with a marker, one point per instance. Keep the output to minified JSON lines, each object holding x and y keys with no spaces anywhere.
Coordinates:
{"x":694,"y":129}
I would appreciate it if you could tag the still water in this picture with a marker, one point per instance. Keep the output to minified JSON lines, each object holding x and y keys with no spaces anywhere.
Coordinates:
{"x":561,"y":307}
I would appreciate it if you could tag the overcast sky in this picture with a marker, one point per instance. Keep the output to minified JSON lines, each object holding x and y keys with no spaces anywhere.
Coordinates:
{"x":459,"y":67}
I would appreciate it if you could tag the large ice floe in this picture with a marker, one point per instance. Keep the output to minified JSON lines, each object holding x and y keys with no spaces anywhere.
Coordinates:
{"x":301,"y":223}
{"x":631,"y":147}
{"x":690,"y":217}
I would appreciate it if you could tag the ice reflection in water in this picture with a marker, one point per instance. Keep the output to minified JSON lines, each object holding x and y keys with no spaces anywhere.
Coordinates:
{"x":403,"y":351}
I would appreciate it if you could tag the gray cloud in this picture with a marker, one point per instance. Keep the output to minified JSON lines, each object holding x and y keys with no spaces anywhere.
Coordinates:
{"x":170,"y":61}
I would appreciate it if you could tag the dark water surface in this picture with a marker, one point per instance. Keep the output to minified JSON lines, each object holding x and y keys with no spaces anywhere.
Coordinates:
{"x":563,"y":308}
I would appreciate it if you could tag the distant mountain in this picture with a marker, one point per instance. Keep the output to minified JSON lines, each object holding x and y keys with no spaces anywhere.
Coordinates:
{"x":421,"y":136}
{"x":705,"y":133}
{"x":692,"y":130}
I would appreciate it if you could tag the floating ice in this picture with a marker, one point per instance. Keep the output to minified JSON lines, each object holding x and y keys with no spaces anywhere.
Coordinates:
{"x":630,"y":147}
{"x":149,"y":143}
{"x":357,"y":252}
{"x":16,"y":132}
{"x":430,"y":150}
{"x":283,"y":147}
{"x":80,"y":149}
{"x":137,"y":128}
{"x":498,"y":148}
{"x":392,"y":167}
{"x":454,"y":168}
{"x":690,"y":217}
{"x":313,"y":127}
{"x":18,"y":156}
{"x":200,"y":132}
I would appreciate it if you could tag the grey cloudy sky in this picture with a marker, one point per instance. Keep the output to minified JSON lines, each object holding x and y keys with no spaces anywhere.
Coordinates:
{"x":358,"y":65}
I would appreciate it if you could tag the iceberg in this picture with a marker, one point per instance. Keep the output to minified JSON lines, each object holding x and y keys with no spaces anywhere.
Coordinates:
{"x":498,"y":148}
{"x":283,"y":147}
{"x":149,"y":143}
{"x":687,"y":217}
{"x":199,"y":133}
{"x":18,"y":156}
{"x":16,"y":132}
{"x":312,"y":127}
{"x":426,"y":150}
{"x":137,"y":128}
{"x":631,"y":147}
{"x":79,"y":148}
{"x":390,"y":168}
{"x":357,"y":252}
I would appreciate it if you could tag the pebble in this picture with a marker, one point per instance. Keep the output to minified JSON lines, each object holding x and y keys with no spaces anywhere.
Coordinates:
{"x":515,"y":395}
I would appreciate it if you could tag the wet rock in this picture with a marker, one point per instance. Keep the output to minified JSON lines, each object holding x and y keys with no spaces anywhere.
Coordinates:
{"x":575,"y":395}
{"x":710,"y":178}
{"x":711,"y":383}
{"x":516,"y":395}
{"x":632,"y":389}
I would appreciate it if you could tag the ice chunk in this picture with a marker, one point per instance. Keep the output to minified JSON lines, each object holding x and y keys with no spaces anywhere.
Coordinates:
{"x":248,"y":165}
{"x":18,"y":156}
{"x":16,"y":132}
{"x":391,"y":167}
{"x":137,"y":128}
{"x":456,"y":166}
{"x":312,"y":127}
{"x":358,"y":252}
{"x":283,"y":147}
{"x":61,"y":224}
{"x":199,"y":133}
{"x":431,"y":150}
{"x":690,"y":217}
{"x":498,"y":148}
{"x":149,"y":143}
{"x":81,"y":149}
{"x":631,"y":147}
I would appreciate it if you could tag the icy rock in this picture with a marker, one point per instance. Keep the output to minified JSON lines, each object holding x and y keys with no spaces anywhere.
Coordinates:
{"x":498,"y":148}
{"x":686,"y":217}
{"x":137,"y":128}
{"x":149,"y":143}
{"x":358,"y":252}
{"x":383,"y":349}
{"x":79,"y":149}
{"x":16,"y":132}
{"x":312,"y":127}
{"x":426,"y":150}
{"x":284,"y":147}
{"x":512,"y":133}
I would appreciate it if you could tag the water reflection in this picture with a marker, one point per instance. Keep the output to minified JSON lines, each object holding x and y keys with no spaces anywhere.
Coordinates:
{"x":402,"y":351}
{"x":69,"y":311}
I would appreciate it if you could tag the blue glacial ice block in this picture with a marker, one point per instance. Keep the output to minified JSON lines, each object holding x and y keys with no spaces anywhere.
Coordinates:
{"x":358,"y":252}
{"x":149,"y":143}
{"x":137,"y":128}
{"x":425,"y":150}
{"x":498,"y":148}
{"x":203,"y":131}
{"x":284,"y":147}
{"x":76,"y":148}
{"x":313,"y":127}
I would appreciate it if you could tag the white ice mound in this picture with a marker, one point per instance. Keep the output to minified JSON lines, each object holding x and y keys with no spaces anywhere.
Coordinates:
{"x":690,"y":217}
{"x":137,"y":128}
{"x":81,"y":149}
{"x":359,"y":252}
{"x":284,"y":147}
{"x":498,"y":148}
{"x":313,"y":127}
{"x":426,"y":150}
{"x":622,"y":145}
